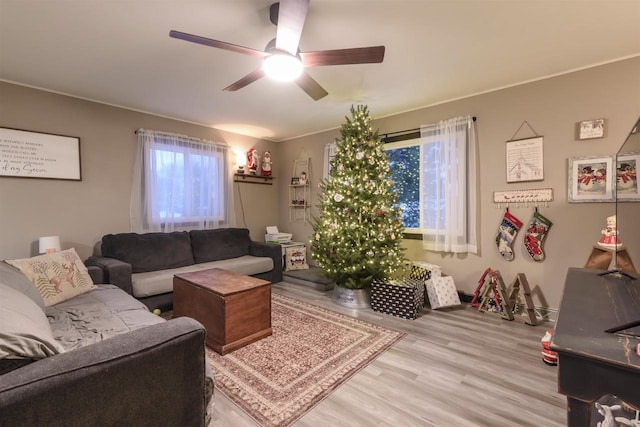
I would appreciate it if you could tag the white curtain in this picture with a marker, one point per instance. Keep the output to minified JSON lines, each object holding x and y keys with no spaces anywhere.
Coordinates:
{"x":180,"y":183}
{"x":448,"y":186}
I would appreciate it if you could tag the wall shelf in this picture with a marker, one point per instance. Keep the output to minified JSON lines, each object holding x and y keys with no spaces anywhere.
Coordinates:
{"x":252,"y":179}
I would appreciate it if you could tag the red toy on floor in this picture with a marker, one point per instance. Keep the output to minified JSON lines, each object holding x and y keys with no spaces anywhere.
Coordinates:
{"x":549,"y":356}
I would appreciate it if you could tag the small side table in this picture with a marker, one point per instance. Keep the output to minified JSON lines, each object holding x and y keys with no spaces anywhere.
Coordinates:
{"x":601,"y":258}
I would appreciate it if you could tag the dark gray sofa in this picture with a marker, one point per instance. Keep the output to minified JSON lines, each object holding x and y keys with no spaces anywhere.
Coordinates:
{"x":144,"y":264}
{"x":133,"y":368}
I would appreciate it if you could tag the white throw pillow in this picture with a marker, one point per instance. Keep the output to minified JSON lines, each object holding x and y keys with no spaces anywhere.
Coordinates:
{"x":25,"y":332}
{"x":13,"y":278}
{"x":58,"y":276}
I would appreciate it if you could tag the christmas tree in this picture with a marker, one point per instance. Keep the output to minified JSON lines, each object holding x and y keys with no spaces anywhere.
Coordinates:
{"x":358,"y":233}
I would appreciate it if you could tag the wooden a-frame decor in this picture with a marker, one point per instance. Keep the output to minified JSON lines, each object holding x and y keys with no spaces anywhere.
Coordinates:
{"x":494,"y":296}
{"x":521,"y":283}
{"x":477,"y":299}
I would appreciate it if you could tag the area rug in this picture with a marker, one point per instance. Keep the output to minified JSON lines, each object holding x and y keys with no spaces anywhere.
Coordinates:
{"x":312,"y":352}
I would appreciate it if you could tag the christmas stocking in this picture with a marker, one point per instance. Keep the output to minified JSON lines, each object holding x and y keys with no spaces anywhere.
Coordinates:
{"x":536,"y":232}
{"x":506,"y":233}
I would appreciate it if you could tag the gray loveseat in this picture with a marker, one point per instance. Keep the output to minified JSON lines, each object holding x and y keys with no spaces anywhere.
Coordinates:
{"x":105,"y":360}
{"x":144,"y":264}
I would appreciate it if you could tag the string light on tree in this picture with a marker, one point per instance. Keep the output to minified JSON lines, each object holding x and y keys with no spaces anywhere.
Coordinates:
{"x":358,"y":234}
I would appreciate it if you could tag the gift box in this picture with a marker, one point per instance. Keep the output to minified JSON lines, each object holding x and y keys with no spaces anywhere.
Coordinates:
{"x":398,"y":297}
{"x":424,"y":271}
{"x":442,"y":292}
{"x":295,"y":258}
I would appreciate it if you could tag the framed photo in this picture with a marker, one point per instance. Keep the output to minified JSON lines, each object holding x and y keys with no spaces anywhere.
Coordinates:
{"x":591,"y":129}
{"x":627,"y":178}
{"x":295,"y":180}
{"x":26,"y":154}
{"x":591,"y":179}
{"x":525,"y":160}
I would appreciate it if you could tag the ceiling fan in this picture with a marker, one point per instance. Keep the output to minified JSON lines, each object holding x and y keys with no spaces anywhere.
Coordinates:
{"x":282,"y":53}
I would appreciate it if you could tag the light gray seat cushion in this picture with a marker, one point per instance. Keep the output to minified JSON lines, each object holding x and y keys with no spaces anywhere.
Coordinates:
{"x":161,"y":281}
{"x":102,"y":313}
{"x":94,"y":316}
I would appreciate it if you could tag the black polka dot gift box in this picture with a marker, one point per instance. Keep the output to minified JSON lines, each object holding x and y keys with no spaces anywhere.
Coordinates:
{"x":398,"y":297}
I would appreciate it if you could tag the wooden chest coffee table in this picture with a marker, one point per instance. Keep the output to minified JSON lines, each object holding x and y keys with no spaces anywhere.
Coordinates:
{"x":235,"y":309}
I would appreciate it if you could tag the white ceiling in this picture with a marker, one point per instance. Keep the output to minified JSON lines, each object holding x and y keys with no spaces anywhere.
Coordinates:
{"x":119,"y":52}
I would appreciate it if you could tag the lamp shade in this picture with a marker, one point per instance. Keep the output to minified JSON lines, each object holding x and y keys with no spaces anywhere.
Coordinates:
{"x":282,"y":66}
{"x":49,"y":244}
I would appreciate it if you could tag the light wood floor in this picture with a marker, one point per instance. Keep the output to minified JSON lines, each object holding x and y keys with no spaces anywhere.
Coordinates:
{"x":455,"y":367}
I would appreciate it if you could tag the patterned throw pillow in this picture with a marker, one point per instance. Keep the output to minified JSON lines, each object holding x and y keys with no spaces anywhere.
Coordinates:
{"x":59,"y":276}
{"x":296,"y":258}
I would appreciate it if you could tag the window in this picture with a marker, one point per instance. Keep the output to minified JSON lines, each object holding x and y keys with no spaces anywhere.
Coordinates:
{"x":435,"y":177}
{"x":180,"y":183}
{"x":404,"y":160}
{"x":329,"y":154}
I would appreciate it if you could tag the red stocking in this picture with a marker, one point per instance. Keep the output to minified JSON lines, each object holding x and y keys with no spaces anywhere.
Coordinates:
{"x":506,"y":233}
{"x":536,"y":232}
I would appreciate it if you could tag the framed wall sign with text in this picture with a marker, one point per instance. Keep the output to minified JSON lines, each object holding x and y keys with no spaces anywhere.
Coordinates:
{"x":26,"y":154}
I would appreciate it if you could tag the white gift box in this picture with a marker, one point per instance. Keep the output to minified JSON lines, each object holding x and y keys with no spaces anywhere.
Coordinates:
{"x":442,"y":292}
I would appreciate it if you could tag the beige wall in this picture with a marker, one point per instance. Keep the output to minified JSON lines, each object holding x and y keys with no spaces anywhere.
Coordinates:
{"x":81,"y":212}
{"x":552,"y":107}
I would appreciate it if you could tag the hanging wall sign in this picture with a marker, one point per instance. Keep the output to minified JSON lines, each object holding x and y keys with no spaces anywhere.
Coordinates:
{"x":590,"y":129}
{"x":25,"y":154}
{"x":525,"y":160}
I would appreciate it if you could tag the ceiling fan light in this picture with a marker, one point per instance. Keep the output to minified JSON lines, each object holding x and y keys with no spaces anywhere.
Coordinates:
{"x":282,"y":67}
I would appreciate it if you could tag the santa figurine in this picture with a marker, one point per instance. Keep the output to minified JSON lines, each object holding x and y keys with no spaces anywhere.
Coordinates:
{"x":252,"y":161}
{"x":266,"y":164}
{"x":609,"y":237}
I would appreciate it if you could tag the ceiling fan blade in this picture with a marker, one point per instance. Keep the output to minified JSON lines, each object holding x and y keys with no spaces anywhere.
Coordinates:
{"x":216,"y":43}
{"x":357,"y":55}
{"x":291,"y":17}
{"x":311,"y":87}
{"x":246,"y":80}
